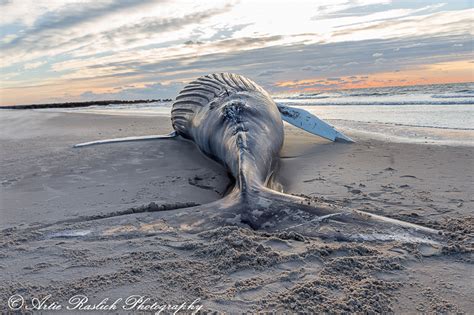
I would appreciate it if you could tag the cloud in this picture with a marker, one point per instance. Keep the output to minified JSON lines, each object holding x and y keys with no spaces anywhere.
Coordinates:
{"x":191,"y":42}
{"x":124,"y":42}
{"x":9,"y":38}
{"x":27,"y":11}
{"x":351,"y":63}
{"x":167,"y":66}
{"x":97,"y":28}
{"x":268,"y":73}
{"x":81,"y":13}
{"x":87,"y":28}
{"x":150,"y":91}
{"x":33,"y":65}
{"x":434,"y":24}
{"x":309,"y":68}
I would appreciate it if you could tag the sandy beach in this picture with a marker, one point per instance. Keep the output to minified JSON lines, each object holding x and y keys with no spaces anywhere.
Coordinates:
{"x":94,"y":221}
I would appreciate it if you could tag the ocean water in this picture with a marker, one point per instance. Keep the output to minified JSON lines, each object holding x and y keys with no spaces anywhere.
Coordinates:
{"x":436,"y":114}
{"x":437,"y":106}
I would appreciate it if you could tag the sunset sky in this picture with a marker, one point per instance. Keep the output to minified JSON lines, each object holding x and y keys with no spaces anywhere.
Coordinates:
{"x":57,"y":50}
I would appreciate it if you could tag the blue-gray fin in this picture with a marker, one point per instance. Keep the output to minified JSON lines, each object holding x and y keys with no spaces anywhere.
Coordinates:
{"x":127,"y":139}
{"x":305,"y":120}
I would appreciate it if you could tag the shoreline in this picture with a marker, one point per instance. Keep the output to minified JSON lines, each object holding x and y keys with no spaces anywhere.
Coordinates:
{"x":384,"y":132}
{"x":45,"y":182}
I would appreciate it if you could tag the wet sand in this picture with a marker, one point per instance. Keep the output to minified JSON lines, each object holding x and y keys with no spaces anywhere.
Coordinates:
{"x":53,"y":196}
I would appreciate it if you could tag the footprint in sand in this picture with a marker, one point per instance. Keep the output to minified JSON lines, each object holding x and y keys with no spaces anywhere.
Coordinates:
{"x":408,"y":176}
{"x":375,"y":194}
{"x":198,"y":182}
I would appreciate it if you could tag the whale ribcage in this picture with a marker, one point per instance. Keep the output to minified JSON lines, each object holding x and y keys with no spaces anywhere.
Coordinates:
{"x":197,"y":94}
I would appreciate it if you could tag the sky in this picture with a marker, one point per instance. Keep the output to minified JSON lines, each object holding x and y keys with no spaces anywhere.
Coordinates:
{"x":80,"y":50}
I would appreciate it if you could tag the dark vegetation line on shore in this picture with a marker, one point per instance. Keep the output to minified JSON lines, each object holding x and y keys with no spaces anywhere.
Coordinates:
{"x":81,"y":104}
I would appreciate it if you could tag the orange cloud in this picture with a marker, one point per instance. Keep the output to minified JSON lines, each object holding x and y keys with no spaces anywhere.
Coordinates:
{"x":439,"y":73}
{"x":57,"y":90}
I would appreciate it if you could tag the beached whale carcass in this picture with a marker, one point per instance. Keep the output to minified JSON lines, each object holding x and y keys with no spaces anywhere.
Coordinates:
{"x":235,"y":122}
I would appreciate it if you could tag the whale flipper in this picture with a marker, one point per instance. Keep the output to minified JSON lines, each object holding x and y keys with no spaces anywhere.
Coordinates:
{"x":127,"y":139}
{"x":305,"y":120}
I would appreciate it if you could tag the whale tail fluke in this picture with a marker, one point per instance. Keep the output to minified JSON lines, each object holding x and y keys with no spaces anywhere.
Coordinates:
{"x":265,"y":205}
{"x":268,"y":210}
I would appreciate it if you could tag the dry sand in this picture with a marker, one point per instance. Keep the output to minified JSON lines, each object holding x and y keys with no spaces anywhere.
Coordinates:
{"x":67,"y":226}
